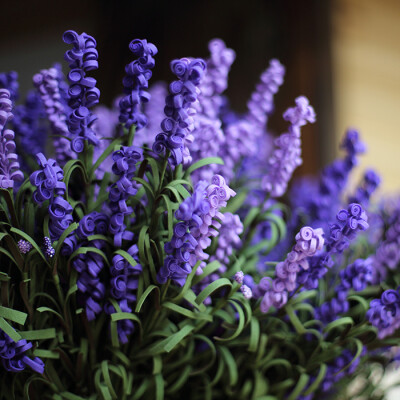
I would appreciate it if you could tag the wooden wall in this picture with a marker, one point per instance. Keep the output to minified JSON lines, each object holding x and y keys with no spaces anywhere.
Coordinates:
{"x":366,"y":74}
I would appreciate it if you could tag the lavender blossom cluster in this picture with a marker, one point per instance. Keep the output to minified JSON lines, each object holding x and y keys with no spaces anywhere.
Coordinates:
{"x":179,"y":111}
{"x":83,"y":93}
{"x":135,"y":83}
{"x":198,"y":216}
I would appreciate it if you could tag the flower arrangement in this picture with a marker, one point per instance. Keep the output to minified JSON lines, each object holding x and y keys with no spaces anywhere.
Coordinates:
{"x":146,"y":252}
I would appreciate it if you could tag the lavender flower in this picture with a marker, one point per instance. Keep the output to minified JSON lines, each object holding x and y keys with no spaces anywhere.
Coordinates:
{"x":261,"y":103}
{"x":9,"y":166}
{"x":384,"y":313}
{"x":13,"y":355}
{"x":287,"y":154}
{"x":239,"y":276}
{"x":24,"y":246}
{"x":47,"y":84}
{"x":228,"y":239}
{"x":178,"y":124}
{"x":349,"y":222}
{"x":28,"y":126}
{"x":124,"y":283}
{"x":320,"y":201}
{"x":357,"y":276}
{"x":246,"y":291}
{"x":9,"y":81}
{"x":48,"y":248}
{"x":83,"y":93}
{"x":50,"y":186}
{"x":124,"y":167}
{"x":274,"y":292}
{"x":244,"y":135}
{"x":135,"y":82}
{"x":197,"y":215}
{"x":208,"y":134}
{"x":369,"y":184}
{"x":90,"y":264}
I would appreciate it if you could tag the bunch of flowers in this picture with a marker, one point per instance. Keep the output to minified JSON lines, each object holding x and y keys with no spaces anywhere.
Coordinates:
{"x":167,"y":265}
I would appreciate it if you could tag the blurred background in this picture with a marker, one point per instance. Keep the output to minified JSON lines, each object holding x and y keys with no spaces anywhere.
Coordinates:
{"x":344,"y":55}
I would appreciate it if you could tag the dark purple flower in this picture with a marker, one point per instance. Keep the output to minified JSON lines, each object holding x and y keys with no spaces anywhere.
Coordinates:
{"x":135,"y":82}
{"x":178,"y":124}
{"x":384,"y":313}
{"x":28,"y":126}
{"x":125,"y":161}
{"x":83,"y":93}
{"x":13,"y":355}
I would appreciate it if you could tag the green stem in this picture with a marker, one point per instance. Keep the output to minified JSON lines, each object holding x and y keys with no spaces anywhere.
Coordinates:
{"x":164,"y":168}
{"x":164,"y":290}
{"x":8,"y":195}
{"x":131,"y":135}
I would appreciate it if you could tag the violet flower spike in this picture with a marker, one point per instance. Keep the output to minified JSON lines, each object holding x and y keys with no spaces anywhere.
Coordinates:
{"x":47,"y":84}
{"x":192,"y":234}
{"x":384,"y":313}
{"x":83,"y":93}
{"x":124,"y":167}
{"x":208,"y":135}
{"x":179,"y":111}
{"x":246,"y":138}
{"x":287,"y":154}
{"x":13,"y":357}
{"x":9,"y":166}
{"x":274,"y":293}
{"x":135,"y":82}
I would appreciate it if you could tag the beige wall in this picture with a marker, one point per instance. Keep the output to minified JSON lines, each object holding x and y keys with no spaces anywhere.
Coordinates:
{"x":366,"y":58}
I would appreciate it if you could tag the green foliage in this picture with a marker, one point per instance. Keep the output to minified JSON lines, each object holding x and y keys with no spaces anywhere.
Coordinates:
{"x":183,"y":346}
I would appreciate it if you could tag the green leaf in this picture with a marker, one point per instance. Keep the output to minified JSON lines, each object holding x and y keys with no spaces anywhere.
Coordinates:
{"x":203,"y":163}
{"x":185,"y":312}
{"x":39,"y":334}
{"x":208,"y":270}
{"x":168,"y":344}
{"x":235,"y":202}
{"x":9,"y":330}
{"x":254,"y":335}
{"x":230,"y":363}
{"x":298,"y":326}
{"x":240,"y":325}
{"x":315,"y":385}
{"x":13,"y":315}
{"x":301,"y":384}
{"x":212,"y":287}
{"x":144,"y":296}
{"x":42,"y":353}
{"x":341,"y":322}
{"x":159,"y":385}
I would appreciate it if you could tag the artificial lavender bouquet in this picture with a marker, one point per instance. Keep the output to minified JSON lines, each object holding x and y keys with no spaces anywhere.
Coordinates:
{"x":153,"y":250}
